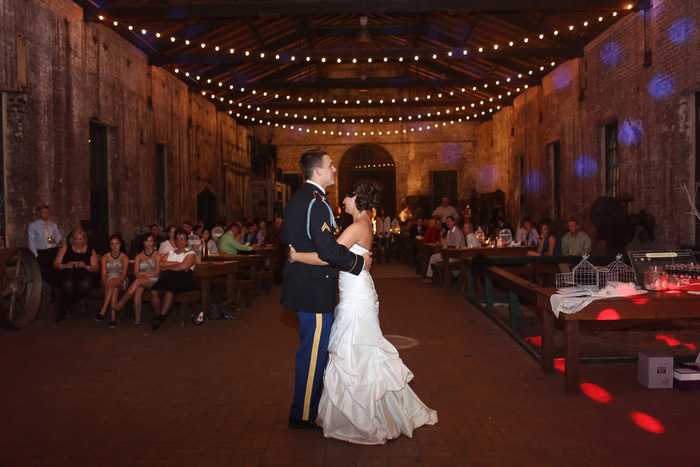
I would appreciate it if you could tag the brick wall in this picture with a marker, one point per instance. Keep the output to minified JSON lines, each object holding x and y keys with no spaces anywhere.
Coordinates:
{"x":59,"y":73}
{"x":652,"y":105}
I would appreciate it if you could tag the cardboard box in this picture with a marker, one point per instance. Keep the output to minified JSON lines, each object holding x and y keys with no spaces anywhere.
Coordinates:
{"x":686,"y":378}
{"x":655,"y":369}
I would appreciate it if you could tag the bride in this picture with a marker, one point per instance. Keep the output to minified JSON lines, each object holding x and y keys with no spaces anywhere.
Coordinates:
{"x":366,"y":398}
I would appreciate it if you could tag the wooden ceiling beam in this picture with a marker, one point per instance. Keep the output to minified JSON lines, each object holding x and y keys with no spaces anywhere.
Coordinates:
{"x":229,"y":9}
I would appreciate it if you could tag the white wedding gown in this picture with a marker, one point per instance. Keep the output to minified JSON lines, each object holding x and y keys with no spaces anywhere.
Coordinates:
{"x":366,"y":398}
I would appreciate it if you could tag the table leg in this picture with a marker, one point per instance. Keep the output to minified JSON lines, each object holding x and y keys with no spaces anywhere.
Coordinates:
{"x":489,"y":293}
{"x":547,"y":331}
{"x":514,"y":311}
{"x":446,"y":274}
{"x":571,"y":356}
{"x":205,"y":295}
{"x":470,"y":282}
{"x":231,"y":289}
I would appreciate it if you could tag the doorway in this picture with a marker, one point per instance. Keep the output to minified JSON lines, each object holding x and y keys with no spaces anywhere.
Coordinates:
{"x":444,"y":184}
{"x":369,"y":162}
{"x":206,"y":207}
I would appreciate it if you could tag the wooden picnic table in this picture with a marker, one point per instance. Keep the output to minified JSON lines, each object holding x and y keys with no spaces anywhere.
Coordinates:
{"x":650,"y":307}
{"x":467,"y":253}
{"x":245,"y":285}
{"x":206,"y":271}
{"x":425,"y":251}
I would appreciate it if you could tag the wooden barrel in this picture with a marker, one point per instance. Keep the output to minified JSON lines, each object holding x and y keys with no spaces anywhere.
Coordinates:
{"x":21,"y":287}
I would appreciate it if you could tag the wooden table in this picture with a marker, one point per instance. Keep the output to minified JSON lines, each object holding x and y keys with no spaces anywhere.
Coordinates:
{"x":425,"y":251}
{"x":468,"y":253}
{"x":649,"y":307}
{"x":206,"y":271}
{"x":247,"y":286}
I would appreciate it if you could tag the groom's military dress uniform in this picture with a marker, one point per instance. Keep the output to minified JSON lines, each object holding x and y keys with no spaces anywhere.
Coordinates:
{"x":308,"y":225}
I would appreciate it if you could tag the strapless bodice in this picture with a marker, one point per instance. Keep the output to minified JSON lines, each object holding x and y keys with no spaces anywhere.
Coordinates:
{"x":357,"y":287}
{"x":358,"y":250}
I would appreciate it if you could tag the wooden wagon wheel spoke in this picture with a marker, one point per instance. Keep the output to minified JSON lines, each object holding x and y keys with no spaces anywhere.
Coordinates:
{"x":25,"y":280}
{"x":13,"y":300}
{"x":20,"y":302}
{"x":18,"y":271}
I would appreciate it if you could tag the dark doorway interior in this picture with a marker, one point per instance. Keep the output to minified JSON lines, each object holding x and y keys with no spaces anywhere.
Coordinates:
{"x":206,"y":207}
{"x":3,"y":227}
{"x":554,"y":152}
{"x":99,"y":182}
{"x":369,"y":162}
{"x":444,"y":184}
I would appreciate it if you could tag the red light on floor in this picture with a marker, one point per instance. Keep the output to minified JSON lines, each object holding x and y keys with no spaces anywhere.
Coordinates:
{"x":535,"y":340}
{"x":669,"y":340}
{"x":691,"y":347}
{"x":647,"y":422}
{"x":596,"y":393}
{"x":560,"y":364}
{"x":608,"y":314}
{"x":640,"y":301}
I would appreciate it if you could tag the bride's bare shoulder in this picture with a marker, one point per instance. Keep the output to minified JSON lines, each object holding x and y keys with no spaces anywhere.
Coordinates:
{"x":355,"y":233}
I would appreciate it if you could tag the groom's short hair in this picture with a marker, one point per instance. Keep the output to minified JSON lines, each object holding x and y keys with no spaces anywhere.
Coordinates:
{"x":310,"y":160}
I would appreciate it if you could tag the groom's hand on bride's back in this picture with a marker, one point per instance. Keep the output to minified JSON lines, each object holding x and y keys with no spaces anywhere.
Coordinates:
{"x":368,"y":260}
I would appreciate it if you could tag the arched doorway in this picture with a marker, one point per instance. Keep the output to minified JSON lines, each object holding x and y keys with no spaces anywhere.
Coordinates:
{"x":370,"y":162}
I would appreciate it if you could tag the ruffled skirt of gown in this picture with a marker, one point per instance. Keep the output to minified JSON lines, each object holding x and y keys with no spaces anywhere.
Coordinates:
{"x":366,"y":398}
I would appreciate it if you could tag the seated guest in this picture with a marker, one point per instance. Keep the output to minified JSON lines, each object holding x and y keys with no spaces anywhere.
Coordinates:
{"x":445,"y":210}
{"x":229,"y":244}
{"x":453,"y":239}
{"x":417,"y":230}
{"x":115,"y":265}
{"x":434,"y":233}
{"x":44,"y":239}
{"x":157,"y":237}
{"x":549,"y":246}
{"x":146,"y":271}
{"x":175,"y":276}
{"x":197,"y":230}
{"x":469,"y":237}
{"x":405,"y":229}
{"x":187,"y":225}
{"x":501,"y":224}
{"x":136,"y":244}
{"x":527,"y":234}
{"x":169,"y":244}
{"x":77,"y":264}
{"x":252,"y":236}
{"x":210,"y":247}
{"x":263,"y":231}
{"x":575,"y":242}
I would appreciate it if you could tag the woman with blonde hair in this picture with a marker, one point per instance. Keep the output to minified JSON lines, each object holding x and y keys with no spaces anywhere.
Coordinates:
{"x":77,"y":265}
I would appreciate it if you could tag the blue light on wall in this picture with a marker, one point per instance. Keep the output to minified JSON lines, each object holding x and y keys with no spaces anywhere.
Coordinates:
{"x":630,"y":132}
{"x":661,"y":86}
{"x":585,"y":167}
{"x":488,"y":176}
{"x":611,"y":54}
{"x":681,"y":30}
{"x":561,"y":77}
{"x":451,"y":154}
{"x":534,"y":181}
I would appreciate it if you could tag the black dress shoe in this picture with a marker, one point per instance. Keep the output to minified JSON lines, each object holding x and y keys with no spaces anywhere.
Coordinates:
{"x":297,"y":423}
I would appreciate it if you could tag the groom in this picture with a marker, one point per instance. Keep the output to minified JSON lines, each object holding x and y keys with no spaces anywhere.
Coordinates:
{"x":310,"y":290}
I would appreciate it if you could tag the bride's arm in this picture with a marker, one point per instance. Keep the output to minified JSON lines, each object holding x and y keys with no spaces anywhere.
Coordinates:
{"x":307,"y":258}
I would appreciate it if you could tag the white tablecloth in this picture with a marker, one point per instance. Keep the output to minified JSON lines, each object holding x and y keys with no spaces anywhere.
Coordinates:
{"x":564,"y":304}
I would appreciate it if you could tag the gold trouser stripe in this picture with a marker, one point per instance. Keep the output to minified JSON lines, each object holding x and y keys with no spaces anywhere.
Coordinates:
{"x":312,"y":366}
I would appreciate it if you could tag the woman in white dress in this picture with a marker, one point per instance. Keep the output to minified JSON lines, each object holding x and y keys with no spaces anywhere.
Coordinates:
{"x":366,"y":398}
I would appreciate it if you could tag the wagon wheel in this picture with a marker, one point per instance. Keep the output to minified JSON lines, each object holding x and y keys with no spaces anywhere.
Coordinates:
{"x":21,"y":287}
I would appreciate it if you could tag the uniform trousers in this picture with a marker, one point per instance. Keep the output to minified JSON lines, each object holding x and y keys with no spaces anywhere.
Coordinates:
{"x":311,"y":357}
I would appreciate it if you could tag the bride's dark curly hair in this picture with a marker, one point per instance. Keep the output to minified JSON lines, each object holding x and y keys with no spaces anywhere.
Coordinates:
{"x":367,"y":192}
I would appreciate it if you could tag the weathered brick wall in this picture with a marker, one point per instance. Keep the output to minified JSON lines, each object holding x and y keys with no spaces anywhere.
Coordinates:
{"x":58,"y":73}
{"x":452,"y":147}
{"x":652,"y":105}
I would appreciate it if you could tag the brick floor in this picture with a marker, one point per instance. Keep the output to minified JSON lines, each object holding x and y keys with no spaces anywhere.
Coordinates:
{"x":77,"y":392}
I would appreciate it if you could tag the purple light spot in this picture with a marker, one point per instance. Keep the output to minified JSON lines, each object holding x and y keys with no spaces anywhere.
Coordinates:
{"x":586,"y":167}
{"x":681,"y":30}
{"x":451,"y":153}
{"x":561,"y":77}
{"x":630,"y":132}
{"x":661,"y":86}
{"x":534,"y":181}
{"x":611,"y":54}
{"x":488,"y":176}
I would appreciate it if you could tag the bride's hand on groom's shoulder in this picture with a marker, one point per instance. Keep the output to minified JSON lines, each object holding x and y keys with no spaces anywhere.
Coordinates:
{"x":368,"y":260}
